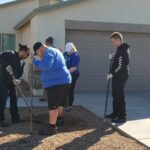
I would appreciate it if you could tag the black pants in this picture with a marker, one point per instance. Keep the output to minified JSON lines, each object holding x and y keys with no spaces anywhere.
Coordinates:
{"x":57,"y":95}
{"x":5,"y":90}
{"x":72,"y":87}
{"x":119,"y":105}
{"x":3,"y":98}
{"x":13,"y":102}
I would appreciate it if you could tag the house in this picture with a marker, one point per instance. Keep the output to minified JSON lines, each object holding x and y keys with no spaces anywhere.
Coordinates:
{"x":89,"y":24}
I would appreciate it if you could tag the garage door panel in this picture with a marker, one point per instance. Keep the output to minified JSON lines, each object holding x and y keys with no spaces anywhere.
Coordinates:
{"x":94,"y":48}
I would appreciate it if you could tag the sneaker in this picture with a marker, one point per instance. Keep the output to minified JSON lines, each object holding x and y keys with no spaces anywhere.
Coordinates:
{"x":1,"y":132}
{"x":111,"y":116}
{"x":3,"y":124}
{"x":118,"y":120}
{"x":42,"y":99}
{"x":49,"y":131}
{"x":17,"y":121}
{"x":68,"y":109}
{"x":60,"y":122}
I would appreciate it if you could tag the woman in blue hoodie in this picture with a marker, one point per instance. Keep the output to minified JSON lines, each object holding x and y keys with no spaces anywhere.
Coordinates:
{"x":55,"y":79}
{"x":72,"y":58}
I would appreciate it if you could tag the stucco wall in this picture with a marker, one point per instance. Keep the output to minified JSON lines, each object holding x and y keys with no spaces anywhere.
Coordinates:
{"x":119,"y":11}
{"x":10,"y":15}
{"x":24,"y":37}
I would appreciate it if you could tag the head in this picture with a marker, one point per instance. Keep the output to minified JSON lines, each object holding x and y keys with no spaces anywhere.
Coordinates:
{"x":39,"y":49}
{"x":116,"y":39}
{"x":70,"y":48}
{"x":49,"y":41}
{"x":24,"y":51}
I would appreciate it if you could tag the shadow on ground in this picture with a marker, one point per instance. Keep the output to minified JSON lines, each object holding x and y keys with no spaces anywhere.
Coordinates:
{"x":84,"y":128}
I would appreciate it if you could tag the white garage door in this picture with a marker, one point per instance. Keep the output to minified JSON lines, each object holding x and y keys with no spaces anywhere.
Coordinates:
{"x":94,"y":48}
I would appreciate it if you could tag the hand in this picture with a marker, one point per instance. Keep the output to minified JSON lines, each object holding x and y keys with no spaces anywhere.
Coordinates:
{"x":36,"y":57}
{"x":9,"y":69}
{"x":16,"y":81}
{"x":109,"y":76}
{"x":110,"y":56}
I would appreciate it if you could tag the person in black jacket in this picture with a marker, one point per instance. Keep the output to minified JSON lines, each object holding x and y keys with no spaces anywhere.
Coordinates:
{"x":119,"y":74}
{"x":7,"y":84}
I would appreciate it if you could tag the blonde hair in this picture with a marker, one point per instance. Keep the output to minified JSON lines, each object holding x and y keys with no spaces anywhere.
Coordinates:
{"x":70,"y":46}
{"x":74,"y":48}
{"x":117,"y":35}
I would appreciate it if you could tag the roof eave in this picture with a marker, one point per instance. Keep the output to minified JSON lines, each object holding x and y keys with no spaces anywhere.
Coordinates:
{"x":11,"y":3}
{"x":36,"y":11}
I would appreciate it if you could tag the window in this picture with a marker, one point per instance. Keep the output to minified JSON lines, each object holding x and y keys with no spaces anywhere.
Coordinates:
{"x":7,"y":42}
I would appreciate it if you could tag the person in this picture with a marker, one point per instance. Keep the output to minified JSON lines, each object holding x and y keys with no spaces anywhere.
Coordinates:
{"x":72,"y":61}
{"x":50,"y":43}
{"x":1,"y":132}
{"x":7,"y":84}
{"x":119,"y":74}
{"x":56,"y":81}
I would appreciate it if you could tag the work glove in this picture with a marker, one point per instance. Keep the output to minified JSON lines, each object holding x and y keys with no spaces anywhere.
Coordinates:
{"x":36,"y":57}
{"x":9,"y":69}
{"x":16,"y":81}
{"x":109,"y":76}
{"x":110,"y":56}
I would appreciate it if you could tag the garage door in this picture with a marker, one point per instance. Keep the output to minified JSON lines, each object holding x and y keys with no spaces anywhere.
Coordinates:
{"x":94,"y":48}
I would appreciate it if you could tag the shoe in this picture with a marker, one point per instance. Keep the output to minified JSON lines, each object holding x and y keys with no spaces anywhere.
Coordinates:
{"x":17,"y":121}
{"x":60,"y":122}
{"x":42,"y":99}
{"x":68,"y":109}
{"x":4,"y":124}
{"x":118,"y":120}
{"x":111,"y":116}
{"x":1,"y":132}
{"x":49,"y":131}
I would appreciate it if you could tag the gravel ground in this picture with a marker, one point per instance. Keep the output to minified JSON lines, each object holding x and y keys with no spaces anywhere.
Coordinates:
{"x":82,"y":131}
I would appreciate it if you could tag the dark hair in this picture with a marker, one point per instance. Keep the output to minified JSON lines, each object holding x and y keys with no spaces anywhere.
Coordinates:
{"x":36,"y":46}
{"x":23,"y":47}
{"x":117,"y":35}
{"x":50,"y":40}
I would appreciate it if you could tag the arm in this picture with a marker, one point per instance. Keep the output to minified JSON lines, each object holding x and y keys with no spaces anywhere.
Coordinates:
{"x":11,"y":59}
{"x":122,"y":61}
{"x":44,"y":64}
{"x":75,"y":63}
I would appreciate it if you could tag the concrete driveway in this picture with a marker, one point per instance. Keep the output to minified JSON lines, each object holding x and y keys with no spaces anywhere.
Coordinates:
{"x":138,"y":111}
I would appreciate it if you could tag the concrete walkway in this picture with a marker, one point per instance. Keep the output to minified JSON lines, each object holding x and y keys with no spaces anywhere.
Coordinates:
{"x":138,"y":111}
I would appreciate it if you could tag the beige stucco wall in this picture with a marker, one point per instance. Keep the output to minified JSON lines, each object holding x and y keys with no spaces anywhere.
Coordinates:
{"x":46,"y":2}
{"x":51,"y":23}
{"x":10,"y":15}
{"x":23,"y":37}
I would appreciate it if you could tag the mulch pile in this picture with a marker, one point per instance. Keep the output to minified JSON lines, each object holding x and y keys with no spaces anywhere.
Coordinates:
{"x":82,"y":131}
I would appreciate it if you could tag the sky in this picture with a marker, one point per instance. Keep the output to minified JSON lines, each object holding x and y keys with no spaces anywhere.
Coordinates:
{"x":5,"y":1}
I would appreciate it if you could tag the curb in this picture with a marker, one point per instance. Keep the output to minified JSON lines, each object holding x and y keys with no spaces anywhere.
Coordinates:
{"x":124,"y":133}
{"x":117,"y":129}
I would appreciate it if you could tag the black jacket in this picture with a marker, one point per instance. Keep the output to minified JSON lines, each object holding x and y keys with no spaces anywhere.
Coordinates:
{"x":10,"y":58}
{"x":120,"y":62}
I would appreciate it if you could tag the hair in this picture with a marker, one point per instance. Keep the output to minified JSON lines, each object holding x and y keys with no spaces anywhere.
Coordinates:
{"x":74,"y":48}
{"x":23,"y":47}
{"x":117,"y":35}
{"x":50,"y":40}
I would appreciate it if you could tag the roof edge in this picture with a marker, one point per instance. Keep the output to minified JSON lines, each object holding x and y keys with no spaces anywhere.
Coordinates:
{"x":36,"y":11}
{"x":11,"y":3}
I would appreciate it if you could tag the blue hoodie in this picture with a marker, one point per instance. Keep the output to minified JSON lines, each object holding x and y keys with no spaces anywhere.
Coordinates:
{"x":53,"y":68}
